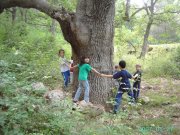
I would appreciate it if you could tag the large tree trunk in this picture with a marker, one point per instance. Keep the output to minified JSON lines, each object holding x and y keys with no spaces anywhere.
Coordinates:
{"x":94,"y":28}
{"x":90,"y":32}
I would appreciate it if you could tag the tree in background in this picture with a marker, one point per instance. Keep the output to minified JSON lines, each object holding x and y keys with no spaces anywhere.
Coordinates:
{"x":153,"y":12}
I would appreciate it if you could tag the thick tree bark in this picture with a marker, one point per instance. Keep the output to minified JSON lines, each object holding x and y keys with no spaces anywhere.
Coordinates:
{"x":94,"y":29}
{"x":90,"y":32}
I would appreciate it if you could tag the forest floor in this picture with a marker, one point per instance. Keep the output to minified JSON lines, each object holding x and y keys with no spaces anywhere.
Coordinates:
{"x":24,"y":111}
{"x":159,"y":115}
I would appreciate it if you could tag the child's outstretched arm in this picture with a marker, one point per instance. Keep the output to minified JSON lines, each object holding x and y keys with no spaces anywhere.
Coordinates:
{"x":73,"y":66}
{"x":134,"y":76}
{"x":108,"y":76}
{"x":95,"y":71}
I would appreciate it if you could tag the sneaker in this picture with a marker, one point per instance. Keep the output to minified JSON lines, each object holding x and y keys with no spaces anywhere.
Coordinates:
{"x":74,"y":107}
{"x":114,"y":112}
{"x":74,"y":101}
{"x":132,"y":103}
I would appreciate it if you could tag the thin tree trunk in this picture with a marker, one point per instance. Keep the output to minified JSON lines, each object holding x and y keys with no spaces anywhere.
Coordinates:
{"x":13,"y":14}
{"x":127,"y":18}
{"x":25,"y":16}
{"x":23,"y":13}
{"x":145,"y":41}
{"x":150,"y":21}
{"x":53,"y":27}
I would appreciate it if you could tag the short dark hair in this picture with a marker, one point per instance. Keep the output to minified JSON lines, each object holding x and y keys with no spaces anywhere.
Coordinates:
{"x":138,"y":65}
{"x":122,"y":64}
{"x":61,"y":50}
{"x":82,"y":60}
{"x":116,"y":66}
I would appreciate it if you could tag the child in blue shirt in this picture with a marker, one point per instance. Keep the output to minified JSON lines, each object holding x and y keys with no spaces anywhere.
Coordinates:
{"x":124,"y":84}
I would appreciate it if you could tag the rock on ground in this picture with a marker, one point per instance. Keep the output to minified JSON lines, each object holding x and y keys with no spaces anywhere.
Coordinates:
{"x":144,"y":100}
{"x":38,"y":86}
{"x":54,"y":95}
{"x":90,"y":109}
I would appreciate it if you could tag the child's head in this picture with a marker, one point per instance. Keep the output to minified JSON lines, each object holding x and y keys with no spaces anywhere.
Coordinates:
{"x":61,"y":53}
{"x":138,"y":67}
{"x":116,"y":67}
{"x":122,"y":64}
{"x":84,"y":59}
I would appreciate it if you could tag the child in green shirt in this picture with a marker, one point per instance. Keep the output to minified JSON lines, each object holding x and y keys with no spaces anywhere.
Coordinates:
{"x":84,"y":69}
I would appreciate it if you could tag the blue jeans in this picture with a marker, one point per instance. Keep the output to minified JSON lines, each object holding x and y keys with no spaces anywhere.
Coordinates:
{"x":85,"y":84}
{"x":66,"y":76}
{"x":118,"y":99}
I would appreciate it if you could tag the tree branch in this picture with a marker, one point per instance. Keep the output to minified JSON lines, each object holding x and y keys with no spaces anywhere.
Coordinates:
{"x":127,"y":10}
{"x":154,"y":3}
{"x":171,"y":12}
{"x":58,"y":13}
{"x":133,"y":14}
{"x":41,"y":5}
{"x":147,"y":10}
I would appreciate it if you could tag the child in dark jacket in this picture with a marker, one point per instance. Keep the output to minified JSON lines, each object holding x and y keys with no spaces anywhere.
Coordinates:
{"x":124,"y":84}
{"x":137,"y":82}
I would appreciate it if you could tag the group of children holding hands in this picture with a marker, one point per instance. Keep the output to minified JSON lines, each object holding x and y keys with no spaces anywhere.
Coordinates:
{"x":121,"y":75}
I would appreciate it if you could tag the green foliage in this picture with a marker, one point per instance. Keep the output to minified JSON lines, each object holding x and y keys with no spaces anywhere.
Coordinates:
{"x":29,"y":52}
{"x":166,"y":65}
{"x":154,"y":65}
{"x":24,"y":111}
{"x":70,"y":5}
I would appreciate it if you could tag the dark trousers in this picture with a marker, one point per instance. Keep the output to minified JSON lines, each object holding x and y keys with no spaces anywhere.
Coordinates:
{"x":136,"y":90}
{"x":118,"y":99}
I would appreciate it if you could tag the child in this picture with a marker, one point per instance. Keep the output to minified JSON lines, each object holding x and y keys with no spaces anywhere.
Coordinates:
{"x":116,"y":69}
{"x":84,"y":69}
{"x":71,"y":70}
{"x":116,"y":82}
{"x":124,"y":84}
{"x":64,"y":66}
{"x":136,"y":84}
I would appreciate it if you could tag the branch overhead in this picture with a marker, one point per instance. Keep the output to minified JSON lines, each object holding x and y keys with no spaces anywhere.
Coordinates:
{"x":58,"y":13}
